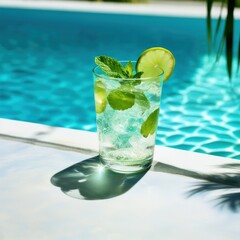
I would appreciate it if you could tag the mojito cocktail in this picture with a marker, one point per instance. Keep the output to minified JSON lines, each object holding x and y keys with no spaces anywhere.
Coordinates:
{"x":127,"y":110}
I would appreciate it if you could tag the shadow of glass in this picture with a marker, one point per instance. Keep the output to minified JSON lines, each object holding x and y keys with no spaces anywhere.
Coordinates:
{"x":90,"y":180}
{"x":228,"y":181}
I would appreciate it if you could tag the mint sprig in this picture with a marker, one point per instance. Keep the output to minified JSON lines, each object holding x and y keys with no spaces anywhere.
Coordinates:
{"x":111,"y":67}
{"x":115,"y":69}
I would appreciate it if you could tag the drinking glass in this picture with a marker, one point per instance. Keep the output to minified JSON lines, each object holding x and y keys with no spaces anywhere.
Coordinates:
{"x":127,"y":111}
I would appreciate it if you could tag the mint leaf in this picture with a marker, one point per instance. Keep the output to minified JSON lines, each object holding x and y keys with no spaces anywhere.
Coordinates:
{"x":149,"y":126}
{"x":111,"y":67}
{"x":121,"y":98}
{"x":129,"y":68}
{"x":142,"y":100}
{"x":115,"y":69}
{"x":138,"y":75}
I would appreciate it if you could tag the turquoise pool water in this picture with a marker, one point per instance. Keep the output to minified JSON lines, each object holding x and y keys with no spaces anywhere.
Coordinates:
{"x":46,"y":58}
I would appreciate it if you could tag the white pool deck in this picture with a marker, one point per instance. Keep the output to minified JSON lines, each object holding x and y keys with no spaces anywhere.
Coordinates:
{"x":86,"y":202}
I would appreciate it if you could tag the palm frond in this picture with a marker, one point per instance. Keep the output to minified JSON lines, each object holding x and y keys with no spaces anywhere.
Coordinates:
{"x":209,"y":24}
{"x":227,"y":37}
{"x":219,"y":21}
{"x":229,"y":31}
{"x":220,"y":48}
{"x":238,"y":54}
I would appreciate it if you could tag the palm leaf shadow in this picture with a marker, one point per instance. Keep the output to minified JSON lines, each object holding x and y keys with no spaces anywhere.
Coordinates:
{"x":228,"y":181}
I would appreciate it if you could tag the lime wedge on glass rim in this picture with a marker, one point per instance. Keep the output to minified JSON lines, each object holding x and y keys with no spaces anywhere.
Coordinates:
{"x":152,"y":60}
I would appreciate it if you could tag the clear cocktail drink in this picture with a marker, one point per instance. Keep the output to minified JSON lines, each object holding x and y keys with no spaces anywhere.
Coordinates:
{"x":127,"y":112}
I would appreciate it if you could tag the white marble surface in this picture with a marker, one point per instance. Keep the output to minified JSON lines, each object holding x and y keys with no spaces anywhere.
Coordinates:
{"x":97,"y":204}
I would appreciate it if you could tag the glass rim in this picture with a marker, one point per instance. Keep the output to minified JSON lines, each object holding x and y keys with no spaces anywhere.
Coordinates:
{"x":104,"y":76}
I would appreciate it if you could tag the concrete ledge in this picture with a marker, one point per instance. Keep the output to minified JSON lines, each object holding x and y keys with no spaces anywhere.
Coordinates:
{"x":87,"y":143}
{"x":40,"y":134}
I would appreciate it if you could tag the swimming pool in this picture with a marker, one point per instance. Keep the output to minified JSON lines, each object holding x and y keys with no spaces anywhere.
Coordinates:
{"x":47,"y":57}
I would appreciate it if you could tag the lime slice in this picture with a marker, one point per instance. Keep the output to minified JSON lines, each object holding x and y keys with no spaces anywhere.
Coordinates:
{"x":152,"y":60}
{"x":100,"y":95}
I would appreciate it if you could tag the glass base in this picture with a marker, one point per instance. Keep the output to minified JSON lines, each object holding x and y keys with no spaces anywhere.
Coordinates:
{"x":126,"y":167}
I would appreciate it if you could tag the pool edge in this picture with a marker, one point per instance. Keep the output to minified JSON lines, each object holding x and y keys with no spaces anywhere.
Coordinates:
{"x":41,"y":134}
{"x":183,"y":9}
{"x":87,"y":143}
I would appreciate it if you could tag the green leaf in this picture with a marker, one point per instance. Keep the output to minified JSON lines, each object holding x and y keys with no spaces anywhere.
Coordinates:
{"x":129,"y":68}
{"x":220,"y":48}
{"x":218,"y":24}
{"x":138,"y":75}
{"x":121,"y":98}
{"x":111,"y":67}
{"x":238,"y":65}
{"x":209,"y":24}
{"x":141,"y":100}
{"x":149,"y":126}
{"x":137,"y":81}
{"x":229,"y":36}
